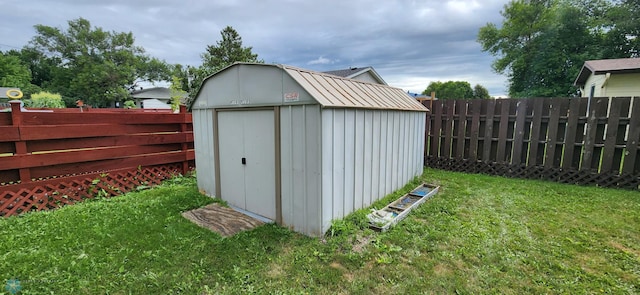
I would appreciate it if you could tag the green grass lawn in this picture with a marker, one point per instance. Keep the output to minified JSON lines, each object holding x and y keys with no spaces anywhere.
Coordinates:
{"x":478,"y":235}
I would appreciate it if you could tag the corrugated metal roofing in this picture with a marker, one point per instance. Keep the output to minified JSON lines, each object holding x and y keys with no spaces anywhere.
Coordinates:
{"x":337,"y":92}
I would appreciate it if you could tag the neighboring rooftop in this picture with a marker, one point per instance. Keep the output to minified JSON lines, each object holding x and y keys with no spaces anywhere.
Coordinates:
{"x":603,"y":66}
{"x":3,"y":91}
{"x":353,"y":72}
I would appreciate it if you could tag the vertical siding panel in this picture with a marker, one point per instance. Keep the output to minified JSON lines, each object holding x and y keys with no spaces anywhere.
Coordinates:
{"x":396,"y":151}
{"x":338,"y":163}
{"x":313,"y":170}
{"x":349,"y":159}
{"x":327,"y":168}
{"x":367,"y":171}
{"x":298,"y":150}
{"x":286,"y":165}
{"x":413,"y":166}
{"x":376,"y":156}
{"x":359,"y":159}
{"x":385,"y":153}
{"x":204,"y":151}
{"x":422,"y":117}
{"x":407,"y":145}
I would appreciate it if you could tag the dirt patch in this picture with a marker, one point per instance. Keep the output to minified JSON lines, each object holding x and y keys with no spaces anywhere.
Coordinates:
{"x":625,"y":249}
{"x":360,"y":244}
{"x":222,"y":220}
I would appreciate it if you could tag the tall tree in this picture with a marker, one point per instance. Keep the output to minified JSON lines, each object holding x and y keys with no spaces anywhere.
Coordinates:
{"x":225,"y":52}
{"x":480,"y":91}
{"x":94,"y":65}
{"x":13,"y":73}
{"x":624,"y":29}
{"x":451,"y":90}
{"x":542,"y":44}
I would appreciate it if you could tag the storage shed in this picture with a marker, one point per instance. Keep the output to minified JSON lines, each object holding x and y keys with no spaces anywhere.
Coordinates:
{"x":303,"y":148}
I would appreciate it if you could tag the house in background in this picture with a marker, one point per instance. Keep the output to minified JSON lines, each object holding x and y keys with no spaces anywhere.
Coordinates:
{"x":609,"y":78}
{"x":154,"y":98}
{"x":5,"y":91}
{"x":366,"y":74}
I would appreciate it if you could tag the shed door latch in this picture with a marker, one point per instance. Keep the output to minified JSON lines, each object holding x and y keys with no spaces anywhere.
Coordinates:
{"x":244,"y":161}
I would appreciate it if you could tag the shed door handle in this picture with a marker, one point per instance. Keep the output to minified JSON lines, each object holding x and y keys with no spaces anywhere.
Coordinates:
{"x":244,"y":161}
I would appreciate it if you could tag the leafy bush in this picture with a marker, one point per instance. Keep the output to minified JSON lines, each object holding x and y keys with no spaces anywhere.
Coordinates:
{"x":44,"y":99}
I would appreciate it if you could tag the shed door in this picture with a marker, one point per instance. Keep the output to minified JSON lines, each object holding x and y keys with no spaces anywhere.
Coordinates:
{"x":250,"y":183}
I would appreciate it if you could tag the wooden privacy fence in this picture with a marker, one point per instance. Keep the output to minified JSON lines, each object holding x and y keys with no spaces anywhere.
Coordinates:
{"x":568,"y":140}
{"x":49,"y":158}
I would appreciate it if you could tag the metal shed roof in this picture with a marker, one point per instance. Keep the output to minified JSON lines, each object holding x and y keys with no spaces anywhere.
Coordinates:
{"x":338,"y":92}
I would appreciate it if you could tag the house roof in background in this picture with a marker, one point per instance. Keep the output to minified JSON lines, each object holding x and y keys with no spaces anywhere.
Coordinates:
{"x":154,"y":92}
{"x":354,"y":72}
{"x":603,"y":66}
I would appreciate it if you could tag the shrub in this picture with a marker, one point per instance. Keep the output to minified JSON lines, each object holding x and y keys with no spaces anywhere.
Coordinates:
{"x":44,"y":99}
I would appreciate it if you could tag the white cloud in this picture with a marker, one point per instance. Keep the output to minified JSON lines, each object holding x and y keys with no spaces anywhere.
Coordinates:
{"x":320,"y":61}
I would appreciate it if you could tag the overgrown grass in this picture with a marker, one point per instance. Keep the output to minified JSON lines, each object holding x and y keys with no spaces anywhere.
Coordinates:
{"x":479,"y":235}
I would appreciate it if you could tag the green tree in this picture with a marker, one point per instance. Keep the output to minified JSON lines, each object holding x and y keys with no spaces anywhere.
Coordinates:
{"x":623,"y":23}
{"x":225,"y":52}
{"x":450,"y":90}
{"x":480,"y":91}
{"x":542,"y":44}
{"x":46,"y":100}
{"x":13,"y":73}
{"x":97,"y":66}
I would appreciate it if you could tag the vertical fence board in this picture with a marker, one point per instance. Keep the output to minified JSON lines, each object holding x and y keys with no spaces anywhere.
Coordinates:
{"x":519,"y":149}
{"x":595,"y":133}
{"x":536,"y":124}
{"x":611,"y":133}
{"x":461,"y":109}
{"x":436,"y":131}
{"x":630,"y":165}
{"x":445,"y":151}
{"x":552,"y":133}
{"x":571,"y":147}
{"x":503,"y":127}
{"x":488,"y":132}
{"x":475,"y":126}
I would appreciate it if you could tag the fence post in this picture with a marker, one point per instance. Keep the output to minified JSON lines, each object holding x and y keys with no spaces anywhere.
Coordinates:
{"x":20,"y":145}
{"x":184,"y":146}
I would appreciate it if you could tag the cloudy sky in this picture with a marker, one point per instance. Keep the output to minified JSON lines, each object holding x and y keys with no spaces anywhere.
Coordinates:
{"x":409,"y":43}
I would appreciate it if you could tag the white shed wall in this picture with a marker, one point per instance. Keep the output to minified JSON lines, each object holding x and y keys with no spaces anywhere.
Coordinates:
{"x":300,"y":168}
{"x":204,"y":150}
{"x":367,"y":154}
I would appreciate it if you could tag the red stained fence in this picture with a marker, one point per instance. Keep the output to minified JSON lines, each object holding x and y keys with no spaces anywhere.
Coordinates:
{"x":568,"y":140}
{"x":53,"y":157}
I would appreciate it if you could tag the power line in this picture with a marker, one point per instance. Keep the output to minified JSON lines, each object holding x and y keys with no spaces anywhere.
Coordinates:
{"x":7,"y":45}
